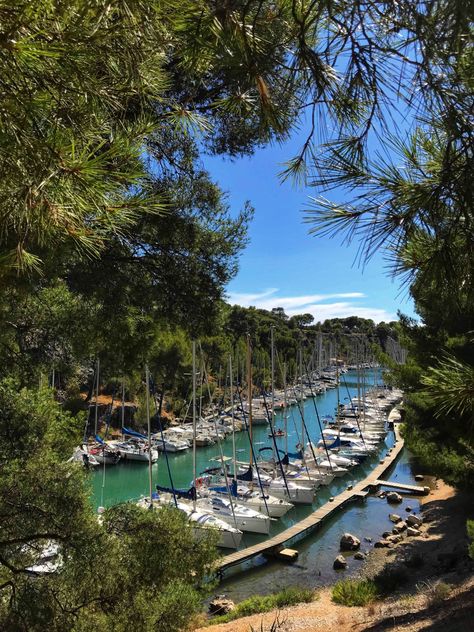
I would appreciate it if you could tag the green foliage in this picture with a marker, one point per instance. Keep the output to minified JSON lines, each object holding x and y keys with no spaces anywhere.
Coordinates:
{"x":264,"y":603}
{"x":416,"y":208}
{"x":354,"y":592}
{"x":435,"y":591}
{"x":470,"y":532}
{"x":443,"y":446}
{"x":135,"y":569}
{"x":451,"y":386}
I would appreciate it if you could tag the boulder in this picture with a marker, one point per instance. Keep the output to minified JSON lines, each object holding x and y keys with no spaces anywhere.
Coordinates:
{"x":394,"y":498}
{"x":414,"y":521}
{"x":394,"y":518}
{"x":395,"y":539}
{"x":349,"y":542}
{"x":359,"y":555}
{"x":411,"y":531}
{"x":221,"y":605}
{"x":385,"y":534}
{"x":340,"y":563}
{"x":396,"y":530}
{"x":381,"y":544}
{"x":419,"y":477}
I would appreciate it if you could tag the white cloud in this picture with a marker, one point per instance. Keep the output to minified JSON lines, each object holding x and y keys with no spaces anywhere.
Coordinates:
{"x":312,"y":304}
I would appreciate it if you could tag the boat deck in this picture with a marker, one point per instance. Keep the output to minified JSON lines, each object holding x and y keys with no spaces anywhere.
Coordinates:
{"x":301,"y":529}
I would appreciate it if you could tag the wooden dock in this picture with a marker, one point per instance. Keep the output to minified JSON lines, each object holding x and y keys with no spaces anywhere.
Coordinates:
{"x":403,"y":487}
{"x":301,"y":529}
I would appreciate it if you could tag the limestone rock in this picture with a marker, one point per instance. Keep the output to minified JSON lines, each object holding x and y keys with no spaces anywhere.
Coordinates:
{"x":411,"y":531}
{"x":395,"y":538}
{"x":349,"y":542}
{"x":402,"y":525}
{"x":394,"y":518}
{"x":414,"y":521}
{"x":340,"y":563}
{"x":221,"y":605}
{"x":394,"y":498}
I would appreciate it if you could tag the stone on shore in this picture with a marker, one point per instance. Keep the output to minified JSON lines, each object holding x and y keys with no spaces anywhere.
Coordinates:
{"x":349,"y":542}
{"x":359,"y":555}
{"x":414,"y":521}
{"x":395,"y":518}
{"x":381,"y":544}
{"x":395,"y":538}
{"x":340,"y":563}
{"x":394,"y":498}
{"x":419,"y":477}
{"x":221,"y":605}
{"x":411,"y":531}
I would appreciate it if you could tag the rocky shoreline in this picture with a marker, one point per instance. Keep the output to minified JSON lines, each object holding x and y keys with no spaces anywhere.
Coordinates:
{"x":419,"y":555}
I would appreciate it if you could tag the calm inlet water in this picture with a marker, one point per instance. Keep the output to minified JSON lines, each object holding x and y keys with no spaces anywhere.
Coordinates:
{"x":127,"y":481}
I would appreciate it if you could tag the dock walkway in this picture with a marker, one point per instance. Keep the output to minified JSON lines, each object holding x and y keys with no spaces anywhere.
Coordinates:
{"x":301,"y":529}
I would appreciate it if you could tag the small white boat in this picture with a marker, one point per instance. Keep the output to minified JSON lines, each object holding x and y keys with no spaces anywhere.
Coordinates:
{"x":238,"y":516}
{"x":201,"y":521}
{"x":81,"y":456}
{"x":229,"y":537}
{"x":169,"y":443}
{"x":135,"y":450}
{"x":102,"y":453}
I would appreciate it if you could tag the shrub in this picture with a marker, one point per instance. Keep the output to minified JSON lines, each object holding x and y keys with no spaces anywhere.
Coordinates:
{"x":470,"y":532}
{"x":391,"y":578}
{"x":264,"y":603}
{"x":293,"y":595}
{"x":354,"y":593}
{"x":435,"y":592}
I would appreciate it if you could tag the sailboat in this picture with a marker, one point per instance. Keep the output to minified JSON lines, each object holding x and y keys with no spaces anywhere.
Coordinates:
{"x":229,"y":536}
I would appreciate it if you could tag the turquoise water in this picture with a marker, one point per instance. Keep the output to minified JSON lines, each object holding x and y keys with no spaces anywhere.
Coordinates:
{"x":368,"y":518}
{"x":127,"y":481}
{"x":364,"y":519}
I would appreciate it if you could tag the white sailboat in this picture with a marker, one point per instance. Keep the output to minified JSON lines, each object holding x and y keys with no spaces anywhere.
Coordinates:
{"x":239,"y":516}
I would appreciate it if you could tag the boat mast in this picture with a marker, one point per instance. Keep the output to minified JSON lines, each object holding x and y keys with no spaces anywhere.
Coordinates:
{"x":123,"y":404}
{"x":284,"y":408}
{"x":97,"y":398}
{"x":249,"y":392}
{"x":302,"y":401}
{"x":272,"y":413}
{"x":147,"y":379}
{"x":194,"y":422}
{"x":234,"y":457}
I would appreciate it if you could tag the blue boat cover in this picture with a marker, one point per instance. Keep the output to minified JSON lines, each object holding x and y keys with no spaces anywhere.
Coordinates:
{"x":133,"y":433}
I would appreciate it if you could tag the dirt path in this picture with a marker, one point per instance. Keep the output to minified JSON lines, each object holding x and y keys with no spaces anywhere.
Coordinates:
{"x":439,"y":554}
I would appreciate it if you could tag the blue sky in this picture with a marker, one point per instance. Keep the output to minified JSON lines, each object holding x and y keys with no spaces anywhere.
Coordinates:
{"x":284,"y":266}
